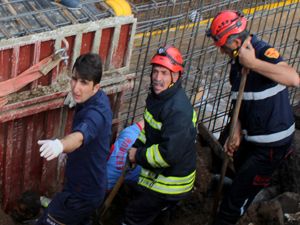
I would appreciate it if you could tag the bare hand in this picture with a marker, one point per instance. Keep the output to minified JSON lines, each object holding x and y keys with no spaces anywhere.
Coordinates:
{"x":247,"y":54}
{"x":131,"y":155}
{"x":232,"y":146}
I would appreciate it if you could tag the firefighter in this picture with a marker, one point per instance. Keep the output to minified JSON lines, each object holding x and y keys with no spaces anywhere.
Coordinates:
{"x":265,"y":128}
{"x":166,"y":148}
{"x":87,"y":148}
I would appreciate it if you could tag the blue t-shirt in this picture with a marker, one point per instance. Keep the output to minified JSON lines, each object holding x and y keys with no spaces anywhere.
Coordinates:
{"x":86,"y":166}
{"x":116,"y":161}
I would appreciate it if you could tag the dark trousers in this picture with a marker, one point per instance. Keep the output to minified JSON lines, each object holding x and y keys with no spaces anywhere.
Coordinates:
{"x":254,"y":167}
{"x":67,"y":209}
{"x":145,"y":207}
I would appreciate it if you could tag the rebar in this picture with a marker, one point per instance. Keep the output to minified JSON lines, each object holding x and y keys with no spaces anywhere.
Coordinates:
{"x":24,"y":17}
{"x":183,"y":23}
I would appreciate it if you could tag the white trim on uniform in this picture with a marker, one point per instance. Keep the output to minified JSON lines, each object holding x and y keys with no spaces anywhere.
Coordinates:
{"x":269,"y":138}
{"x":261,"y":94}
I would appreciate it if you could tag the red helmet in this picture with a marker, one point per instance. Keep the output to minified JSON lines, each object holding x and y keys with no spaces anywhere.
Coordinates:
{"x":169,"y":57}
{"x":226,"y":23}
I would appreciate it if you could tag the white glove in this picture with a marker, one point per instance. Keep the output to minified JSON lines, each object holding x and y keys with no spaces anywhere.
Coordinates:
{"x":50,"y":149}
{"x":69,"y":100}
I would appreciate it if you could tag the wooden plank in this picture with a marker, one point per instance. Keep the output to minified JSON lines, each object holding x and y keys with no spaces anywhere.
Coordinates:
{"x":121,"y":48}
{"x":109,"y":64}
{"x":36,"y":59}
{"x":4,"y":31}
{"x":105,"y":43}
{"x":47,"y":48}
{"x":28,"y":162}
{"x":66,"y":31}
{"x":49,"y":177}
{"x":87,"y":42}
{"x":96,"y":43}
{"x":14,"y":12}
{"x":7,"y":173}
{"x":69,"y":15}
{"x":44,"y":17}
{"x":3,"y":140}
{"x":6,"y":61}
{"x":30,"y":110}
{"x":76,"y":48}
{"x":127,"y":57}
{"x":15,"y":59}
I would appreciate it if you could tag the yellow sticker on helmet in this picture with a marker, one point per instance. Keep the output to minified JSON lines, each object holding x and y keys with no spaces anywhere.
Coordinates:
{"x":272,"y":53}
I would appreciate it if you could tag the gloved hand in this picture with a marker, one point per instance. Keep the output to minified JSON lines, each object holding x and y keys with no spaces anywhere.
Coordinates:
{"x":50,"y":149}
{"x":69,"y":100}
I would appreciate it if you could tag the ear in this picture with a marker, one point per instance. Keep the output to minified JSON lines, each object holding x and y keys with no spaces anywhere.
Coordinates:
{"x":175,"y":76}
{"x":96,"y":88}
{"x":238,"y":42}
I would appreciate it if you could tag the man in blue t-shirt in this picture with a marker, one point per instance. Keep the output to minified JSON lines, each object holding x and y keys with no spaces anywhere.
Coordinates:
{"x":265,"y":127}
{"x":87,"y":148}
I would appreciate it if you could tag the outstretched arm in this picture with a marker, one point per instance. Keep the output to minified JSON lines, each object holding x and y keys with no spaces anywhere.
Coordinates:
{"x":50,"y":149}
{"x":72,"y":142}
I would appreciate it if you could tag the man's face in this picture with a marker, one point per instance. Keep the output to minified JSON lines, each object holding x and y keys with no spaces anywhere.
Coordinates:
{"x":82,"y":89}
{"x":161,"y":78}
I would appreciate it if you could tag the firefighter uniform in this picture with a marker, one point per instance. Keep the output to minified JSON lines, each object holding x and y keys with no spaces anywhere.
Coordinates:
{"x":165,"y":151}
{"x":168,"y":167}
{"x":268,"y":126}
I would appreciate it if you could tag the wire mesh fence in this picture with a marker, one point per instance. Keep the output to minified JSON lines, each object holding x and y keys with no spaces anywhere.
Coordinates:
{"x":178,"y":22}
{"x":206,"y":82}
{"x":24,"y":17}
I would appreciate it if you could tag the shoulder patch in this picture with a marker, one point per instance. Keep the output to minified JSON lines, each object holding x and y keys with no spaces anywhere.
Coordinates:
{"x":272,"y":53}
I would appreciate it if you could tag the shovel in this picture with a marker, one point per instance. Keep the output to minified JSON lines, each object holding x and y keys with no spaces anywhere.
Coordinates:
{"x":114,"y":191}
{"x":231,"y":132}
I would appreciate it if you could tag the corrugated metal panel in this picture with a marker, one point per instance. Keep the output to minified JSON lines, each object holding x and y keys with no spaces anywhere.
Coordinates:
{"x":36,"y":111}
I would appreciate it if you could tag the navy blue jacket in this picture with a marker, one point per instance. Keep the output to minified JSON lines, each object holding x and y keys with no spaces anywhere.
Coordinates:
{"x":266,"y":114}
{"x":86,"y":166}
{"x":167,"y":152}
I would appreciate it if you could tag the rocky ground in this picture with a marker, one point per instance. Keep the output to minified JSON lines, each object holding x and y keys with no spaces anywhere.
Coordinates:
{"x":276,"y":205}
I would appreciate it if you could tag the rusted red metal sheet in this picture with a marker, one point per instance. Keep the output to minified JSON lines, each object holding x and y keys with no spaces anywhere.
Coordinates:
{"x":36,"y":111}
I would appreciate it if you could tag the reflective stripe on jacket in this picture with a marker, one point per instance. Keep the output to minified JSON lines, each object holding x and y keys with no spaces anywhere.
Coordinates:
{"x":167,"y":150}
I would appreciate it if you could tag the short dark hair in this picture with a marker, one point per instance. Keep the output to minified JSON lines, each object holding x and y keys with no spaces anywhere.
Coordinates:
{"x":243,"y":35}
{"x":89,"y":67}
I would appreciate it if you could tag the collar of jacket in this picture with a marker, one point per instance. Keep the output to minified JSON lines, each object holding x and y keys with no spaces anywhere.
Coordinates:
{"x":169,"y":92}
{"x":91,"y":100}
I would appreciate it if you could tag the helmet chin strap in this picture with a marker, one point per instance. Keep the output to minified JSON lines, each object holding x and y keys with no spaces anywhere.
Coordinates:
{"x":172,"y":81}
{"x":235,"y":52}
